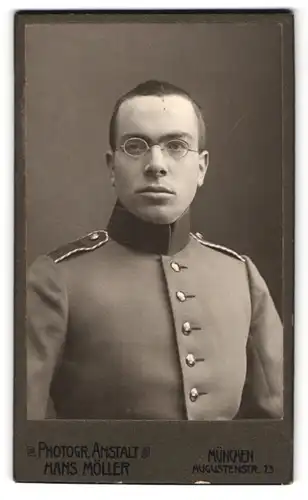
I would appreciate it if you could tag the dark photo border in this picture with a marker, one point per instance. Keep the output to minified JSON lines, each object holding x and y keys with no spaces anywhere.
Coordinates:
{"x":165,"y":452}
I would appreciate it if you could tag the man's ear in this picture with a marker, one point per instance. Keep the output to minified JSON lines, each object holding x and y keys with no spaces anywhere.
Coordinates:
{"x":110,"y":165}
{"x":203,"y":166}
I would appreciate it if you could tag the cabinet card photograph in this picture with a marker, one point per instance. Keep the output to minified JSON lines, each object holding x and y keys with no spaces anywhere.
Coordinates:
{"x":154,"y":171}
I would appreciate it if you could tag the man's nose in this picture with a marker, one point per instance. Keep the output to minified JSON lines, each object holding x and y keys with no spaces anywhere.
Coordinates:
{"x":157,"y":162}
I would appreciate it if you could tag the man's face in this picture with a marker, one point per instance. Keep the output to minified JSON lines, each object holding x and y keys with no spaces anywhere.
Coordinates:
{"x":157,"y":186}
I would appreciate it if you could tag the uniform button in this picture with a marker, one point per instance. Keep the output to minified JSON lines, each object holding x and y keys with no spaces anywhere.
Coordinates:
{"x":175,"y":266}
{"x":186,"y":328}
{"x":181,"y":296}
{"x":94,"y":236}
{"x":190,"y":360}
{"x":193,"y":395}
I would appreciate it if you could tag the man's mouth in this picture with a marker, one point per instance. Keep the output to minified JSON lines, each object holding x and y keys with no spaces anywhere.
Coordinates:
{"x":156,"y":189}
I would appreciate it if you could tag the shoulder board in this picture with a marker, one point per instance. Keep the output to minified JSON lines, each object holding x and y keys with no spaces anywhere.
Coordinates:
{"x":220,"y":248}
{"x":87,"y":243}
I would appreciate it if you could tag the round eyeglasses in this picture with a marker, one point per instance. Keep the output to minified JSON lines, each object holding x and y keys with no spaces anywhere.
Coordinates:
{"x":137,"y":147}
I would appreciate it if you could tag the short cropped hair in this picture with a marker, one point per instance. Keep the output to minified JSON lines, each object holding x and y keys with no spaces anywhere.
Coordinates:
{"x":156,"y":88}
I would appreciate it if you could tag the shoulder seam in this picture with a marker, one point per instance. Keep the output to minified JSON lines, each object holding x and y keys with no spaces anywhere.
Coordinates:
{"x":227,"y":250}
{"x":83,"y":248}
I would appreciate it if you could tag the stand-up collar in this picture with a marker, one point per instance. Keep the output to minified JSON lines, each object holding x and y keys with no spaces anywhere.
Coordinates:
{"x":165,"y":239}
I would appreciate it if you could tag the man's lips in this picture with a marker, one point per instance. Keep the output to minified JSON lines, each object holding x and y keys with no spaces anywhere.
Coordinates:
{"x":155,"y":189}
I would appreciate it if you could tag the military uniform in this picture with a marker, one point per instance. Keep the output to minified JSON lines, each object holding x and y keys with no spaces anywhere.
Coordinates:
{"x":147,"y":321}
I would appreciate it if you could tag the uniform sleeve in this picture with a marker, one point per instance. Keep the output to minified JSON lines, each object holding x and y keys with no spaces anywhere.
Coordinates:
{"x":47,"y":313}
{"x":263,"y":391}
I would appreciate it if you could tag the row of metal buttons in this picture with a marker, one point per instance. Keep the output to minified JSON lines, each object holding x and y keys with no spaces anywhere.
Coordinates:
{"x":186,"y":330}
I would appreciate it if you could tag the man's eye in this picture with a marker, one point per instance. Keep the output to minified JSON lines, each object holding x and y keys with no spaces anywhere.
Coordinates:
{"x":176,"y":146}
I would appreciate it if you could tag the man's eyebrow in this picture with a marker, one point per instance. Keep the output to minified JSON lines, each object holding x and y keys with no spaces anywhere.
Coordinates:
{"x":137,"y":134}
{"x":171,"y":135}
{"x":176,"y":135}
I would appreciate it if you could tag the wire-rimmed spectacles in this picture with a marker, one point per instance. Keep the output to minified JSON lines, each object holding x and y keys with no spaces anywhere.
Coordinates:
{"x":136,"y":147}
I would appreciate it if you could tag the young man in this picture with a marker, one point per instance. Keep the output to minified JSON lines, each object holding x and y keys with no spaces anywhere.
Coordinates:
{"x":146,"y":320}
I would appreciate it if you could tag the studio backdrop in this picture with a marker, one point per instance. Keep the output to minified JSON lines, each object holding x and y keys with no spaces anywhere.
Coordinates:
{"x":75,"y":72}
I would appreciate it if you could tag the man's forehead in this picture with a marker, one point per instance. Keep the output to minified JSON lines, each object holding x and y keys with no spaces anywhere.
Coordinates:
{"x":143,"y":110}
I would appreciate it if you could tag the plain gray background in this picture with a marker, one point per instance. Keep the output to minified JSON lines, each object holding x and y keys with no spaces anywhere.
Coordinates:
{"x":75,"y":72}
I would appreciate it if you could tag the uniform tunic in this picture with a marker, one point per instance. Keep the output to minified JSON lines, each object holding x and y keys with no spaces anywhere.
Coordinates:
{"x":147,"y":321}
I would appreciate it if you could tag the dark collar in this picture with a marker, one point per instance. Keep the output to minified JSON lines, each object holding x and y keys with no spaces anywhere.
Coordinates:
{"x":165,"y":239}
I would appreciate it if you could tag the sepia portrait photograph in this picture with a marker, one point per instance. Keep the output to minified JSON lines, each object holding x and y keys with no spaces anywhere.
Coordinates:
{"x":153,"y":244}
